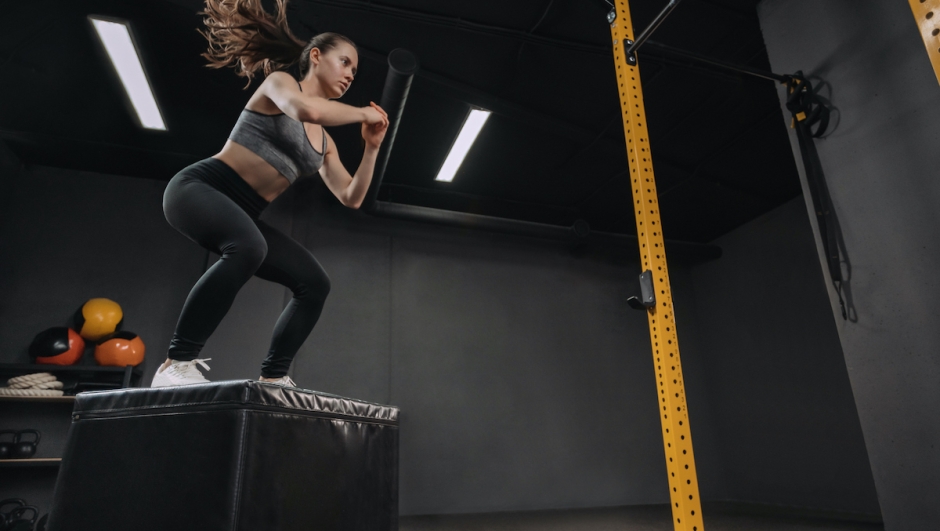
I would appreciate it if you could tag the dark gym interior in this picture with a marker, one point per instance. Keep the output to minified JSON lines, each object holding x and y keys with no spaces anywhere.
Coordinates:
{"x":524,"y":378}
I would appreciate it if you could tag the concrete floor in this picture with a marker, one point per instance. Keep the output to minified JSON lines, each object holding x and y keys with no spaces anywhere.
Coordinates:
{"x":637,"y":518}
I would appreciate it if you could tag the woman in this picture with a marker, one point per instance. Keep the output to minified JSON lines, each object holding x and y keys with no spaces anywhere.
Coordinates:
{"x":216,"y":202}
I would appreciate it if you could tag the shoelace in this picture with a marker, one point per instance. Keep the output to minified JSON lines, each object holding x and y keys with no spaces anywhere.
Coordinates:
{"x":186,"y":368}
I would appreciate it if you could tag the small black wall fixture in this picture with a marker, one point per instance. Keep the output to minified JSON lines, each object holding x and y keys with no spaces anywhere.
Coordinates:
{"x":647,"y":298}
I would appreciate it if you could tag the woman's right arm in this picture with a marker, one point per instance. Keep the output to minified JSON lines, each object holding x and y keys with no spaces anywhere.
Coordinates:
{"x":281,"y":88}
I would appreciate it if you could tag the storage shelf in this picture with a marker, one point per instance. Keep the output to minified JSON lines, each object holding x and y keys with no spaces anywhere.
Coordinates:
{"x":25,"y":367}
{"x":77,"y":378}
{"x":42,"y":461}
{"x":52,"y":415}
{"x":37,"y":399}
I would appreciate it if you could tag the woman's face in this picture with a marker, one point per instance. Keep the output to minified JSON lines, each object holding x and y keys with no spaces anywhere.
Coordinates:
{"x":336,"y":68}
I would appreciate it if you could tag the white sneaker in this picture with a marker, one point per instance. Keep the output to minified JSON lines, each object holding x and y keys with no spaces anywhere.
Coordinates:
{"x":283,"y":380}
{"x":180,"y":373}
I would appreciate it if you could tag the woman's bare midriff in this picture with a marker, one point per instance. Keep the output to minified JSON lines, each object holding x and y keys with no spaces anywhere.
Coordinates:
{"x":256,"y":171}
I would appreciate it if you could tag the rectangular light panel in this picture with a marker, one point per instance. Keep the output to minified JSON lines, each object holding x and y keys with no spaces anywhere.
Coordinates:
{"x":117,"y":41}
{"x":471,"y":128}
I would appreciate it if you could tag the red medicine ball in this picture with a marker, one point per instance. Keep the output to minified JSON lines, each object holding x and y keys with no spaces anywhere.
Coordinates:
{"x":57,"y":346}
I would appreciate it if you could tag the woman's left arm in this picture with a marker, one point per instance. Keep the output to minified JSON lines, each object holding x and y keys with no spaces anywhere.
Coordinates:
{"x":351,"y":189}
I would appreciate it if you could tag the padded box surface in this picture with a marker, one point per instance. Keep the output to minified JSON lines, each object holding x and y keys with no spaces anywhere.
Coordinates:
{"x":237,"y":455}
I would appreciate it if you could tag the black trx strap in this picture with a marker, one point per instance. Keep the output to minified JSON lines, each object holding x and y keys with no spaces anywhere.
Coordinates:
{"x":808,"y":111}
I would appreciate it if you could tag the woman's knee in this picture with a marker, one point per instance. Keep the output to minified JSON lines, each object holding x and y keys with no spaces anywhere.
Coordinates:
{"x":325,"y":285}
{"x":315,"y":285}
{"x":248,"y":251}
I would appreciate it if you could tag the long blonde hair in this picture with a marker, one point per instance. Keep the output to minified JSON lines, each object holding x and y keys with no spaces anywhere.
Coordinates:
{"x":243,"y":35}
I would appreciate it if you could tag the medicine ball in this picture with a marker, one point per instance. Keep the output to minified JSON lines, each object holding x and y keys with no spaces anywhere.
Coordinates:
{"x":98,"y":319}
{"x":57,"y":346}
{"x":124,"y":349}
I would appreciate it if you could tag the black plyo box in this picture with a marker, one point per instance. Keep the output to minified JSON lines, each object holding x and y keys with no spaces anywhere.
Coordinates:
{"x":236,"y":455}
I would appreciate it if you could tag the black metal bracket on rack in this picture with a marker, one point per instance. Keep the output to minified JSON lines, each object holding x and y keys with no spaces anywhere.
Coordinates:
{"x":631,"y":57}
{"x":647,"y":298}
{"x":632,"y":46}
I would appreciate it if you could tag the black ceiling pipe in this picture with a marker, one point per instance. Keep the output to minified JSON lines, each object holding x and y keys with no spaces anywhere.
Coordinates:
{"x":472,"y":221}
{"x":402,"y":66}
{"x":579,"y":232}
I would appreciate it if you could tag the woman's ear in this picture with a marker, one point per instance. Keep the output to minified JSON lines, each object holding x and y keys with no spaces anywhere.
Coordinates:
{"x":314,"y":56}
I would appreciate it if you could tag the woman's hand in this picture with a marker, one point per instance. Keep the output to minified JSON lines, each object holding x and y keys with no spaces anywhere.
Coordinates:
{"x":373,"y":132}
{"x":373,"y":114}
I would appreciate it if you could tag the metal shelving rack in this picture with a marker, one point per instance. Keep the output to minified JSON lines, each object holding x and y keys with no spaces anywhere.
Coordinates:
{"x":34,"y":478}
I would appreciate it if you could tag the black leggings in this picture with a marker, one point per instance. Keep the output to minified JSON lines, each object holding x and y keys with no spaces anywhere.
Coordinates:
{"x":213,"y":206}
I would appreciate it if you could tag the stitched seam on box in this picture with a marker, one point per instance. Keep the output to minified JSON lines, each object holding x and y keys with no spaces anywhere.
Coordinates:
{"x":93,"y":413}
{"x":228,"y":402}
{"x":157,"y":406}
{"x":241,"y":469}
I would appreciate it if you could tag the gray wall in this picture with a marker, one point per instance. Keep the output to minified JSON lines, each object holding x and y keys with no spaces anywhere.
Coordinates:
{"x":776,"y":379}
{"x":881,"y":166}
{"x":10,"y":171}
{"x":525,"y":381}
{"x":68,"y":236}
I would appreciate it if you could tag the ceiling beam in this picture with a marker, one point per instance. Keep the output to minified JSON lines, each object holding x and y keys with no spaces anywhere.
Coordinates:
{"x":84,"y":154}
{"x":464,"y":25}
{"x":390,"y":188}
{"x":681,"y":250}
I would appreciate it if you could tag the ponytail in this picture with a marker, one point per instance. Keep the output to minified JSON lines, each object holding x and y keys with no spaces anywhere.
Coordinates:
{"x":242,"y":34}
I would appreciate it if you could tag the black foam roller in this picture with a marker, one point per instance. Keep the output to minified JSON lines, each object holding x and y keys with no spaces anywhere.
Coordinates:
{"x":402,"y":66}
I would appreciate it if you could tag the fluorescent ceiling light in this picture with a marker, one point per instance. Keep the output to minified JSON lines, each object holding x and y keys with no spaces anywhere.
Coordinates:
{"x":116,"y":37}
{"x":471,"y":128}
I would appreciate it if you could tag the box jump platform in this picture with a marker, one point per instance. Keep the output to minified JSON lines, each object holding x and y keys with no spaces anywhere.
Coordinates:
{"x":234,"y":455}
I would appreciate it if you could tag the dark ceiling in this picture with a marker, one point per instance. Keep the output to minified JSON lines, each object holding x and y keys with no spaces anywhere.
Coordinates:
{"x":552,"y":152}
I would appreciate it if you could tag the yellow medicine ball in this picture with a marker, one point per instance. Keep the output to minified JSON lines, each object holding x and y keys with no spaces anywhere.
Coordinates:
{"x":98,"y":319}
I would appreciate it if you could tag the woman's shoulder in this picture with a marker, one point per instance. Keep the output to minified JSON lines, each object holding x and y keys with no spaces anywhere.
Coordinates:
{"x":279,"y":75}
{"x":260,"y":102}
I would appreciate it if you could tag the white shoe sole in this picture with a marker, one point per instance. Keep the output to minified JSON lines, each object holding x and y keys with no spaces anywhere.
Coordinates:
{"x":161,"y":381}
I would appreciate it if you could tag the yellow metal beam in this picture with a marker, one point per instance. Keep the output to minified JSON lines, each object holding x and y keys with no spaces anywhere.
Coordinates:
{"x":677,"y":435}
{"x":927,"y":15}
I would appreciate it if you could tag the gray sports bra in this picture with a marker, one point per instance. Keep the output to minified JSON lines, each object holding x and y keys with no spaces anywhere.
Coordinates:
{"x":281,"y":141}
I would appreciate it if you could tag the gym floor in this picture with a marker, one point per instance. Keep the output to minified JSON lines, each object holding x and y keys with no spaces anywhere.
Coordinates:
{"x":718,"y":517}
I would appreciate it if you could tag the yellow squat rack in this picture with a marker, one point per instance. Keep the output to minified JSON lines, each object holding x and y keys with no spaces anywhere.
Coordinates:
{"x":677,"y":435}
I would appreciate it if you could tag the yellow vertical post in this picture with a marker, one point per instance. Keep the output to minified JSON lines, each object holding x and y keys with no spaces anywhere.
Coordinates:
{"x":927,"y":15}
{"x":677,"y":435}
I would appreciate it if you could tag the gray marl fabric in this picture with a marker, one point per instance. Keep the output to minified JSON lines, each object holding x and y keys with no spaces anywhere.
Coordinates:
{"x":281,"y":141}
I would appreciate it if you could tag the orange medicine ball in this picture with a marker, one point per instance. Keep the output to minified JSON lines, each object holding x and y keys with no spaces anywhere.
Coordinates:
{"x":125,"y":348}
